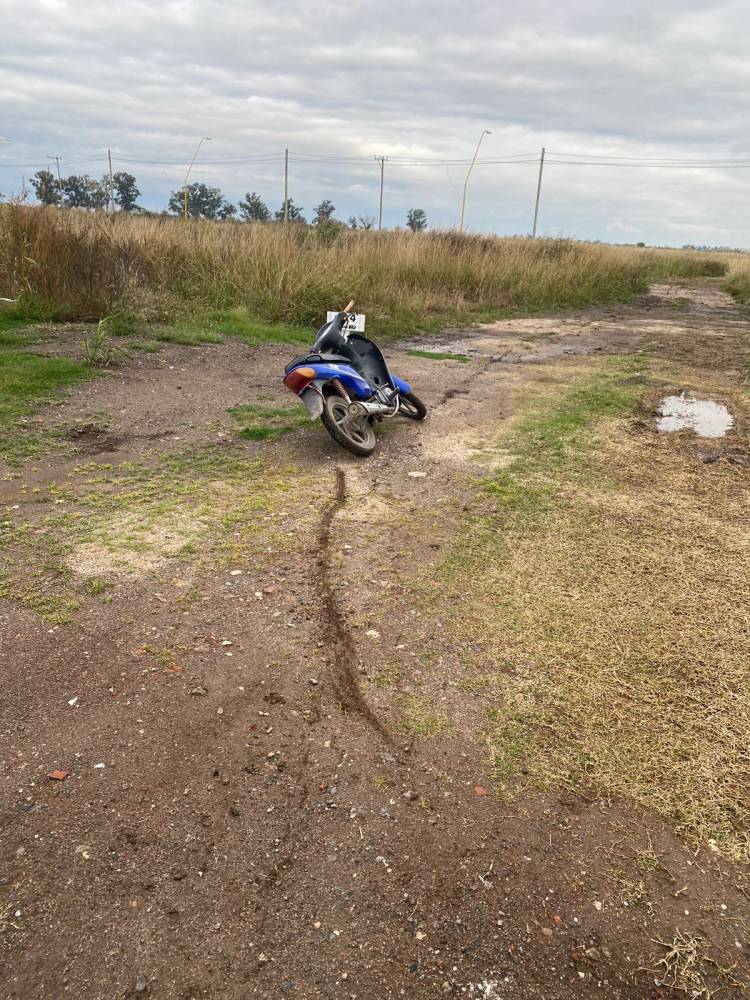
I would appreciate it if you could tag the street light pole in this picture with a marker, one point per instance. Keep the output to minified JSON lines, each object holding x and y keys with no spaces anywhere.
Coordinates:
{"x":468,"y":175}
{"x":538,"y":194}
{"x":205,"y":138}
{"x":381,"y":160}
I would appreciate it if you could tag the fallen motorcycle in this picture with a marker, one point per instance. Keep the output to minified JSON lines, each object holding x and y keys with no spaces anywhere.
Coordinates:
{"x":345,"y":381}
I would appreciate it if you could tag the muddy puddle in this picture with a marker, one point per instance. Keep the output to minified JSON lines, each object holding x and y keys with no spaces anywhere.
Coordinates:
{"x":684,"y":412}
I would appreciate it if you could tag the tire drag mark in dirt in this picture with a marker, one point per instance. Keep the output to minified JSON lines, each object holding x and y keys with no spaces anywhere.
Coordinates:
{"x":337,"y":634}
{"x":463,"y":388}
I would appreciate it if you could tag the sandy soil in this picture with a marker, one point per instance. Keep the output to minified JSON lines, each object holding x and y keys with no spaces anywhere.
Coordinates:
{"x":247,"y":816}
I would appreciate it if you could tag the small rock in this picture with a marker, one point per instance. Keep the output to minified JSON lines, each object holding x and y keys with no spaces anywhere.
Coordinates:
{"x":597,"y":904}
{"x":594,"y":954}
{"x":141,"y":984}
{"x":198,"y":692}
{"x":234,"y":811}
{"x":262,"y":958}
{"x":411,"y":795}
{"x":219,"y":711}
{"x":235,"y":572}
{"x":417,"y":475}
{"x":372,"y":633}
{"x":547,"y":931}
{"x":20,"y":851}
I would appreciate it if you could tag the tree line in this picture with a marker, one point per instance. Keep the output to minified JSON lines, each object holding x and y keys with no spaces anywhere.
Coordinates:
{"x":203,"y":202}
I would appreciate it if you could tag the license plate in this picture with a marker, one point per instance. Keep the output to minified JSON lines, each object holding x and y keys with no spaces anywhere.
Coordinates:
{"x":355,"y":323}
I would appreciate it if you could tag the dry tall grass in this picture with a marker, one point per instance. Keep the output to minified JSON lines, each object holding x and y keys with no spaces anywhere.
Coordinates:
{"x":85,"y":265}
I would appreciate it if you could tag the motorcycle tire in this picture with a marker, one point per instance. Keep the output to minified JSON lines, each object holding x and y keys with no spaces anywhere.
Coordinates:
{"x":412,"y":406}
{"x":358,"y":438}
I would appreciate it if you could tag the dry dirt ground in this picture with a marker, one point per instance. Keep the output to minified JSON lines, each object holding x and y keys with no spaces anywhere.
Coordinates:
{"x":225,"y":665}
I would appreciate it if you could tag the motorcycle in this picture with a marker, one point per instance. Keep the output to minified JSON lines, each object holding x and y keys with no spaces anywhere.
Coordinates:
{"x":345,"y":381}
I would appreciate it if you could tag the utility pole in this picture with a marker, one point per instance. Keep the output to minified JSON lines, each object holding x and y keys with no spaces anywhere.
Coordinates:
{"x":538,"y":194}
{"x":205,"y":138}
{"x":111,"y":196}
{"x":286,"y":185}
{"x":468,"y":175}
{"x":59,"y":178}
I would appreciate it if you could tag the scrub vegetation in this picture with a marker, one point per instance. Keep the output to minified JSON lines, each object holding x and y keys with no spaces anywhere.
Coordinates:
{"x":76,"y":265}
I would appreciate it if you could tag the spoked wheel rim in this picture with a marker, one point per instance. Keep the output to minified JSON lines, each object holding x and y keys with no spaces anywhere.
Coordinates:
{"x":358,"y":431}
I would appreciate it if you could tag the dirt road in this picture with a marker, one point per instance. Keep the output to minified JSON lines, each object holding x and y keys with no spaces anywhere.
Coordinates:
{"x":276,"y":783}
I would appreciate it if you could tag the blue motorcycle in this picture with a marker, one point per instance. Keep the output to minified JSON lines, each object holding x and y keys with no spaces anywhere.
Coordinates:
{"x":345,"y":381}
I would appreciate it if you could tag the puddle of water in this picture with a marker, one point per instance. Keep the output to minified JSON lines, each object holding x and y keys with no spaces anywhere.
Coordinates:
{"x":707,"y":418}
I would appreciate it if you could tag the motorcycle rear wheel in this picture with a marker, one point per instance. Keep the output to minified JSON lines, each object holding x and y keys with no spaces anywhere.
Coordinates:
{"x":358,"y":437}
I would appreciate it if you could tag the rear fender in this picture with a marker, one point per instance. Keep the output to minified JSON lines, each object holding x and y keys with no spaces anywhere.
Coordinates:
{"x":349,"y":378}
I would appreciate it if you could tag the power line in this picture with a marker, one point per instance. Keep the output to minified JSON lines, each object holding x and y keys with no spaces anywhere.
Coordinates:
{"x":509,"y":159}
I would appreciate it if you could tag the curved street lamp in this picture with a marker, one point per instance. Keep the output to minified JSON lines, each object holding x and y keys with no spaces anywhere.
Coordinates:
{"x":468,"y":175}
{"x":205,"y":138}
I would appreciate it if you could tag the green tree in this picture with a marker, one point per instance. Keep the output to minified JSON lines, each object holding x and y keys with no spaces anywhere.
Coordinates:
{"x":84,"y":192}
{"x":295,"y":214}
{"x":254,"y":209}
{"x":125,"y":191}
{"x":324,"y":212}
{"x":97,"y":192}
{"x":203,"y":202}
{"x":46,"y":188}
{"x":416,"y":220}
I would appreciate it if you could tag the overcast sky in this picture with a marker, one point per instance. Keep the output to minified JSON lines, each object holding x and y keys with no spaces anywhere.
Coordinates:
{"x":665,"y":79}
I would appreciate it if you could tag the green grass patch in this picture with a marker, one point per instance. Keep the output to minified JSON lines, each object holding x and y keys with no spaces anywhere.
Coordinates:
{"x":738,"y":285}
{"x":27,"y":381}
{"x":216,"y":326}
{"x":261,"y":423}
{"x":552,"y":436}
{"x":438,"y":355}
{"x":421,"y":720}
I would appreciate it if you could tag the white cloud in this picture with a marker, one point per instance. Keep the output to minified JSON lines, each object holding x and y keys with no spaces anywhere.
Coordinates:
{"x":148,"y":79}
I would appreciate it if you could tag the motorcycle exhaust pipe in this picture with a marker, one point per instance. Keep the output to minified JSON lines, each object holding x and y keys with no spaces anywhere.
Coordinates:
{"x":358,"y":408}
